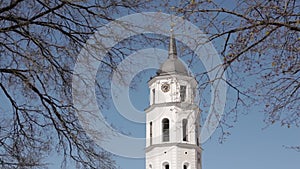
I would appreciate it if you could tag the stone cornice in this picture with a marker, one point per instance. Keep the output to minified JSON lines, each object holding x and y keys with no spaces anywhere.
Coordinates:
{"x":182,"y":145}
{"x":181,"y":105}
{"x":167,"y":76}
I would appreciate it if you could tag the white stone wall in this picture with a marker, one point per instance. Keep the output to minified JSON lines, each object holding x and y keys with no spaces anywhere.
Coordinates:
{"x":176,"y":152}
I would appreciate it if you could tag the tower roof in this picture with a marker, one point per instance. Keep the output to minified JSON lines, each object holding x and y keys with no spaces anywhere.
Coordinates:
{"x":172,"y":47}
{"x":173,"y":65}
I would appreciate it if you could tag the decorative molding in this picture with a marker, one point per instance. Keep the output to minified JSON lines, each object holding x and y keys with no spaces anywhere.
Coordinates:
{"x":181,"y":105}
{"x":182,"y":145}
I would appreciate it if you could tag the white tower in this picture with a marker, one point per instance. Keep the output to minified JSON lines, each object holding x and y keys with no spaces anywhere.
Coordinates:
{"x":172,"y":129}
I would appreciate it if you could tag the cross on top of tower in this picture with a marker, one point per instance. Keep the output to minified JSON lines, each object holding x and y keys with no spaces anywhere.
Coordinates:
{"x":172,"y":45}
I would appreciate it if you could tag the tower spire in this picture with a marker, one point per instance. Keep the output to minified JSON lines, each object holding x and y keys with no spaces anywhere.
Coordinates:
{"x":172,"y":45}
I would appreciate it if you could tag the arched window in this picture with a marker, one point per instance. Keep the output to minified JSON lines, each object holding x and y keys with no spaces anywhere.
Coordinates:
{"x":153,"y":96}
{"x":184,"y":130}
{"x":199,"y":160}
{"x":166,"y":165}
{"x":185,"y":166}
{"x":166,"y":130}
{"x":151,"y":133}
{"x":197,"y":134}
{"x":182,"y":93}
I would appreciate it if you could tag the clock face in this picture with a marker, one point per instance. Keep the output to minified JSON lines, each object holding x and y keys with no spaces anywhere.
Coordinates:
{"x":165,"y":87}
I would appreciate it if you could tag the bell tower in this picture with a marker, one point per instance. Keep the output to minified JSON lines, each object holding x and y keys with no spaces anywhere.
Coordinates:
{"x":172,"y":129}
